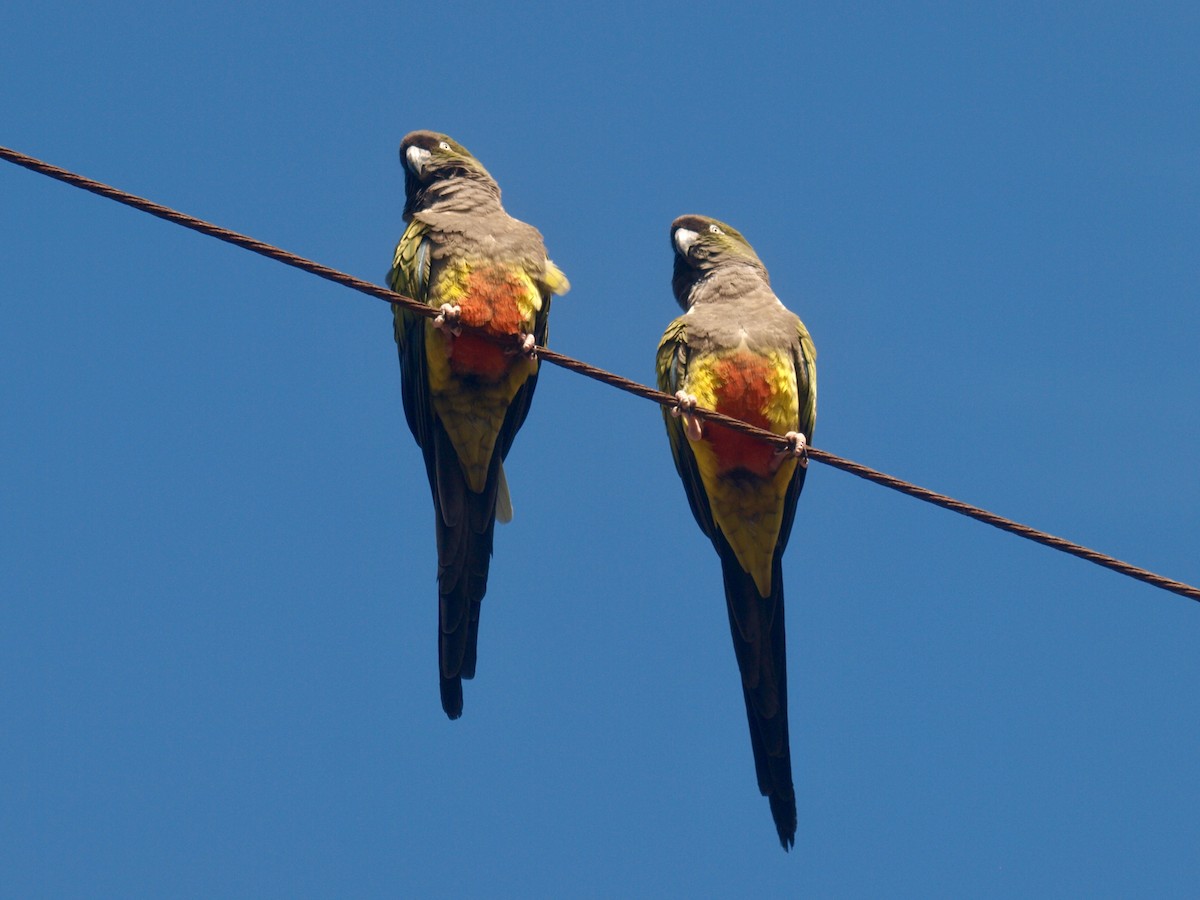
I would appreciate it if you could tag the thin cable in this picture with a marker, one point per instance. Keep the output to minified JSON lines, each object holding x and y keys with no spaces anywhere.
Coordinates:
{"x":221,"y":234}
{"x":589,"y":371}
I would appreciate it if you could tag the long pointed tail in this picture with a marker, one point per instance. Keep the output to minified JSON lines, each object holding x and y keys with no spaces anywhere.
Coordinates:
{"x":759,"y":640}
{"x":466,"y":522}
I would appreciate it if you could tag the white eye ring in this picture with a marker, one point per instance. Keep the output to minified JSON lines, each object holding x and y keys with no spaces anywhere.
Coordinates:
{"x":442,"y":145}
{"x":715,"y":230}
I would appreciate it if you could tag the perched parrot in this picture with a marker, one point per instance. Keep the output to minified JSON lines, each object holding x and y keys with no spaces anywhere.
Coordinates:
{"x":464,"y":397}
{"x":737,"y":350}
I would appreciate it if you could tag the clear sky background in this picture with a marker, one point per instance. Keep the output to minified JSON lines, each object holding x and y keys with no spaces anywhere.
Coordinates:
{"x":217,"y":597}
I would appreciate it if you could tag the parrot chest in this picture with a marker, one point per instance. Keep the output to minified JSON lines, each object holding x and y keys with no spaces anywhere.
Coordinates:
{"x":753,"y":388}
{"x":498,"y":299}
{"x":472,"y":380}
{"x":745,"y":478}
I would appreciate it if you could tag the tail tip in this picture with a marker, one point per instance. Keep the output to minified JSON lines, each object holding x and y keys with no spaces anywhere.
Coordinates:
{"x":783,"y":811}
{"x":452,"y":697}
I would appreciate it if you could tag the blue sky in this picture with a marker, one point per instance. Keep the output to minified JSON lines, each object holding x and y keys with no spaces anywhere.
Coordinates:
{"x":217,"y":651}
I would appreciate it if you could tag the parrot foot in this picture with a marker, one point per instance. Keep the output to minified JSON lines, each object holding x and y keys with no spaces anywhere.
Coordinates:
{"x":450,"y":316}
{"x":797,"y":448}
{"x":527,"y":346}
{"x":691,"y":424}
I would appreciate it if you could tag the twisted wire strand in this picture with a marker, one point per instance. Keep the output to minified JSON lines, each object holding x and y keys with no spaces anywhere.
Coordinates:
{"x":609,"y":378}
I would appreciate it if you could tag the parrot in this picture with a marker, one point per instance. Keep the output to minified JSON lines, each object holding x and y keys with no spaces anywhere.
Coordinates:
{"x":465,"y":397}
{"x":738,"y":350}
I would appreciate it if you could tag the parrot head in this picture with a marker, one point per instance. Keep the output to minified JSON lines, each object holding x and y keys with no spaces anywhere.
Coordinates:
{"x":430,"y":159}
{"x":702,"y":245}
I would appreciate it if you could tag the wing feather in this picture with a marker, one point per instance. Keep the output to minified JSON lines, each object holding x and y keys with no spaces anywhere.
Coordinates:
{"x":671,"y":365}
{"x":804,"y":362}
{"x":409,"y":276}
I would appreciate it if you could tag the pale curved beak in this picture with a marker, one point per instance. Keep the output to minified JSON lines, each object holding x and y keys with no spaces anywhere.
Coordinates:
{"x":684,"y":238}
{"x":415,"y":159}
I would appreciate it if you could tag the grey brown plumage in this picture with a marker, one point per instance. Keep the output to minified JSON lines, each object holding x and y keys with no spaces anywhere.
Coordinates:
{"x":738,"y":350}
{"x":465,"y":398}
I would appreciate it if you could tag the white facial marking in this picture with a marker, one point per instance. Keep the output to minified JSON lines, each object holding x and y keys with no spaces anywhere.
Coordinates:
{"x":684,"y":238}
{"x":416,"y":158}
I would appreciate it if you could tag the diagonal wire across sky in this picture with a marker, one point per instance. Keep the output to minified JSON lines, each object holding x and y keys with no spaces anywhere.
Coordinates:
{"x":610,"y":378}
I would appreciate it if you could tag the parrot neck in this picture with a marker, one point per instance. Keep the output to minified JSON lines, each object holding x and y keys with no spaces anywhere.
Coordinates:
{"x":729,"y":282}
{"x":464,"y":194}
{"x":683,"y":280}
{"x":711,"y":280}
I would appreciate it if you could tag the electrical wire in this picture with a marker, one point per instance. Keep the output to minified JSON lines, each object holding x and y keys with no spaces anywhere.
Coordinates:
{"x":609,"y":378}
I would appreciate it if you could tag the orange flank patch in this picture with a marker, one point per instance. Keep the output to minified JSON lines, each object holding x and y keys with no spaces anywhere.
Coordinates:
{"x":471,"y":355}
{"x":491,"y":303}
{"x":743,"y":389}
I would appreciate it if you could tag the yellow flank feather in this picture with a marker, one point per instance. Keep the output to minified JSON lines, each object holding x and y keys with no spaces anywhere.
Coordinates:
{"x":555,"y":280}
{"x":702,"y":381}
{"x":782,"y":409}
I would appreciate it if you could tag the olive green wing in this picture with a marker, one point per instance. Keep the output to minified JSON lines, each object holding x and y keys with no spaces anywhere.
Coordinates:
{"x":671,"y":364}
{"x":804,"y":362}
{"x":409,"y":276}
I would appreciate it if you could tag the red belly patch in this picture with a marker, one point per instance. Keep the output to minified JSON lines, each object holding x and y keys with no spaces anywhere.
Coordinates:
{"x":742,"y":391}
{"x":491,"y":303}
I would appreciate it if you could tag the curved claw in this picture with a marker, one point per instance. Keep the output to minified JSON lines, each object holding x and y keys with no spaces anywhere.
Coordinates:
{"x":527,"y":346}
{"x":797,"y":448}
{"x":691,"y":424}
{"x":685,"y":403}
{"x":449,"y":319}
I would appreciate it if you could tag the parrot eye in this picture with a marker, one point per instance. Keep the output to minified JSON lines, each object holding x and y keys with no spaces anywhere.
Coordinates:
{"x":715,"y":230}
{"x":442,"y":145}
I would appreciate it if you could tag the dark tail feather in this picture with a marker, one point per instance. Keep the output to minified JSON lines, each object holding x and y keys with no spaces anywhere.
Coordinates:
{"x":759,"y":641}
{"x":466,"y":522}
